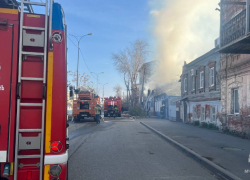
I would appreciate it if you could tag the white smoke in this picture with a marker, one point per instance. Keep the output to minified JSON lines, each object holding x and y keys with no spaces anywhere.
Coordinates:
{"x":183,"y":30}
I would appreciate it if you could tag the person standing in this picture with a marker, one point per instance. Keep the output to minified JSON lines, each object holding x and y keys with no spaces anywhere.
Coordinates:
{"x":97,"y":113}
{"x":116,"y":111}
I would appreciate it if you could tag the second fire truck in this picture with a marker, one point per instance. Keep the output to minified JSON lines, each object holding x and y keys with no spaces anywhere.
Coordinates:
{"x":112,"y":107}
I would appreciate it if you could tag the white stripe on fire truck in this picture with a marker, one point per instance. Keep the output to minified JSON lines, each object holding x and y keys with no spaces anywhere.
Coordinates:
{"x":56,"y":159}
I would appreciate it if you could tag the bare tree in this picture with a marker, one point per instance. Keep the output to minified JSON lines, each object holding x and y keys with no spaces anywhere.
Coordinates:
{"x":118,"y":90}
{"x":82,"y":81}
{"x":128,"y":62}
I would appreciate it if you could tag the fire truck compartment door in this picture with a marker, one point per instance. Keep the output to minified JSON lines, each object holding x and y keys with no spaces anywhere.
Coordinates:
{"x":29,"y":142}
{"x":5,"y":88}
{"x":36,"y":40}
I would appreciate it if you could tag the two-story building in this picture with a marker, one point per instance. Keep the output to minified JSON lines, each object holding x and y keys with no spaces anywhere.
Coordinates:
{"x":200,"y":89}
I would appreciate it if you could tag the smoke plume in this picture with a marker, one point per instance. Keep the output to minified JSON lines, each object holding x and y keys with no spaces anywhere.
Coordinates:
{"x":183,"y":30}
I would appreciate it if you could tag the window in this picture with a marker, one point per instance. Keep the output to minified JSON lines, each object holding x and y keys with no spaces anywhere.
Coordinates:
{"x":84,"y":105}
{"x":236,"y":101}
{"x":202,"y":114}
{"x":212,"y":76}
{"x":212,"y":113}
{"x":185,"y":85}
{"x":194,"y":113}
{"x":202,"y":79}
{"x":193,"y":82}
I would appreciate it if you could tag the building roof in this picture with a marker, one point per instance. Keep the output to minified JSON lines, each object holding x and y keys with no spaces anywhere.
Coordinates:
{"x":204,"y":56}
{"x":171,"y":89}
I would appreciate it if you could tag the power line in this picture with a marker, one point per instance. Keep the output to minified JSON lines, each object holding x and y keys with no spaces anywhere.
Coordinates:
{"x":72,"y":42}
{"x":86,"y":64}
{"x":82,"y":58}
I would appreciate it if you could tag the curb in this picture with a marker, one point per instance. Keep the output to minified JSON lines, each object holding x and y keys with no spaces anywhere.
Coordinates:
{"x":217,"y":170}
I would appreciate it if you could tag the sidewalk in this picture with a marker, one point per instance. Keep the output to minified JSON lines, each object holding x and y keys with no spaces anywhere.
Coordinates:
{"x":229,"y":152}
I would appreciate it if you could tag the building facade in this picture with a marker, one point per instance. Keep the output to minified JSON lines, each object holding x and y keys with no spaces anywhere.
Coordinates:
{"x":201,"y":89}
{"x":172,"y":114}
{"x":159,"y":101}
{"x":235,"y":67}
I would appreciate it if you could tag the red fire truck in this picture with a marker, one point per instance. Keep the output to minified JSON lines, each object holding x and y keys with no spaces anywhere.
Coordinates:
{"x":112,"y":107}
{"x":84,"y":105}
{"x":33,"y":88}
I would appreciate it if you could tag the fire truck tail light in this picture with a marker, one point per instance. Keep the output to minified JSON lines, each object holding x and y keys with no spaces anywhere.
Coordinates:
{"x":56,"y":146}
{"x":29,"y":175}
{"x":55,"y":170}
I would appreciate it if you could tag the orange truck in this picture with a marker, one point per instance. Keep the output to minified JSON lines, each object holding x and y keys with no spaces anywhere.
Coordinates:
{"x":84,"y":105}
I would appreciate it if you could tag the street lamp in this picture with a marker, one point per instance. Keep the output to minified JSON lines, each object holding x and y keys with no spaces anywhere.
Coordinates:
{"x":103,"y":91}
{"x":78,"y":40}
{"x":97,"y":74}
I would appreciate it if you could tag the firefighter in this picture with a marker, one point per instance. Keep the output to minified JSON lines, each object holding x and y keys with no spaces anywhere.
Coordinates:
{"x":97,"y":113}
{"x":116,"y":111}
{"x":162,"y":111}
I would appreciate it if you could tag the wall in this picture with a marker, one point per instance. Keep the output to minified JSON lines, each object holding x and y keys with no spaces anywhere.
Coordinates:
{"x":172,"y":107}
{"x":207,"y":113}
{"x":235,"y":74}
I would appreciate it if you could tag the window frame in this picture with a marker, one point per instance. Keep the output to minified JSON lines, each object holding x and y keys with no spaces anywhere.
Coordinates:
{"x":185,"y":84}
{"x":201,"y":79}
{"x":193,"y":83}
{"x":235,"y":101}
{"x":212,"y":115}
{"x":211,"y":77}
{"x":202,"y":113}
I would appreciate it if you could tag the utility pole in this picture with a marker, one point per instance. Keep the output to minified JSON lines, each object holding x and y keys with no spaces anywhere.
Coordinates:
{"x":103,"y":91}
{"x":143,"y":82}
{"x":78,"y":48}
{"x":97,"y":74}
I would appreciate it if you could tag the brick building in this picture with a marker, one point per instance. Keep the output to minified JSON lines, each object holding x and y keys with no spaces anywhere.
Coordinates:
{"x":235,"y":67}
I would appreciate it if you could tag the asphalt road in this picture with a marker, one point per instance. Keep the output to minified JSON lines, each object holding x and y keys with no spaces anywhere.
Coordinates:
{"x":123,"y":149}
